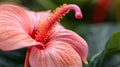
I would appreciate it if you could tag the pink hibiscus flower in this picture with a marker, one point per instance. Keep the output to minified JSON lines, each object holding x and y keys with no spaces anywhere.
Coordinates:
{"x":48,"y":43}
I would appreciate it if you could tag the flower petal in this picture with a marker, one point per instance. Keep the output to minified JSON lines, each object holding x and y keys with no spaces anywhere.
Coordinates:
{"x":56,"y":54}
{"x":15,"y":28}
{"x":37,"y":17}
{"x":77,"y":42}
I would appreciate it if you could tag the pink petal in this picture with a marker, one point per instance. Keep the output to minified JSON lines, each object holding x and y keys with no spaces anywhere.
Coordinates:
{"x":16,"y":27}
{"x":56,"y":54}
{"x":67,"y":36}
{"x":38,"y":17}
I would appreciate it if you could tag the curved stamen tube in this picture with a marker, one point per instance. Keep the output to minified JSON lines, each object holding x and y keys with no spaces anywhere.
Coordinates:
{"x":43,"y":31}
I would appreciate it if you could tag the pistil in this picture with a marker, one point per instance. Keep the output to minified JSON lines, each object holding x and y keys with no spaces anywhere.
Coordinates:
{"x":47,"y":26}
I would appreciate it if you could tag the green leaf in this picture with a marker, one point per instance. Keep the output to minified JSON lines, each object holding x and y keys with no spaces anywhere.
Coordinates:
{"x":112,"y":49}
{"x":113,"y":46}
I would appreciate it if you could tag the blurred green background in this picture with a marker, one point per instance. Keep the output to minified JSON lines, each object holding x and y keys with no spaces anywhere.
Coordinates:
{"x":99,"y":27}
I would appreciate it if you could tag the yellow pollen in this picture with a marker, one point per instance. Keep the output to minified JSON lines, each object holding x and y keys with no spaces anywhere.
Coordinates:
{"x":86,"y":62}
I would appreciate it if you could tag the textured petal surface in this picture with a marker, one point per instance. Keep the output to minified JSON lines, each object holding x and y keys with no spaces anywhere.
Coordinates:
{"x":56,"y":54}
{"x":77,"y":42}
{"x":17,"y":25}
{"x":64,"y":47}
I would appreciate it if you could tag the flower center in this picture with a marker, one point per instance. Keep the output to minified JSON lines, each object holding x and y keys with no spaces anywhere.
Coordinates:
{"x":43,"y":32}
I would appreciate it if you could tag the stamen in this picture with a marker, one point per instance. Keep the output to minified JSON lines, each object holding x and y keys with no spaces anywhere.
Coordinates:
{"x":46,"y":27}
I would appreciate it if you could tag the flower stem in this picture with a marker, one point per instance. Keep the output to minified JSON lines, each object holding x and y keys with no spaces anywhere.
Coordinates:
{"x":26,"y":63}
